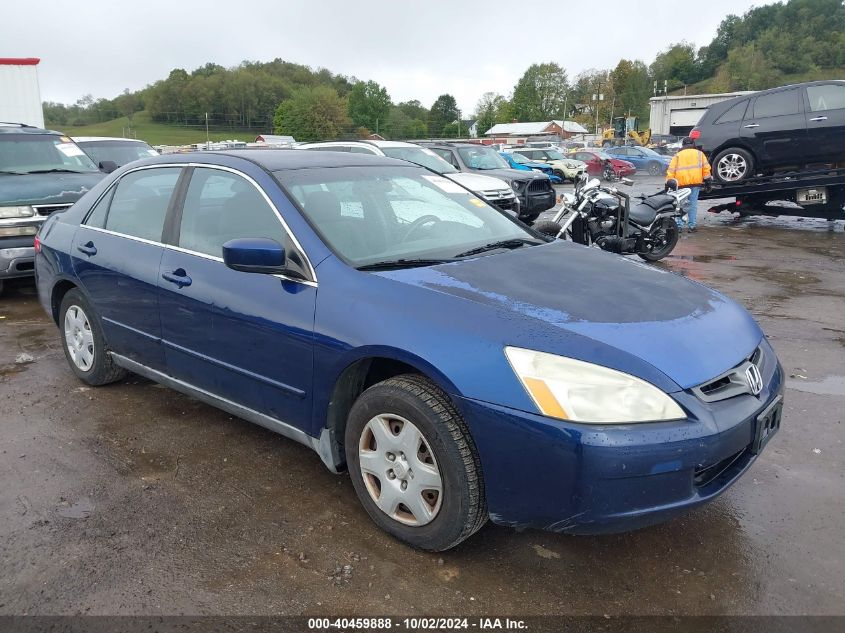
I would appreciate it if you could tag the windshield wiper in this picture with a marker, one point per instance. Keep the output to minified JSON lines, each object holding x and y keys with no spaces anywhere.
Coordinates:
{"x":403,"y":263}
{"x":56,"y":170}
{"x":492,"y":246}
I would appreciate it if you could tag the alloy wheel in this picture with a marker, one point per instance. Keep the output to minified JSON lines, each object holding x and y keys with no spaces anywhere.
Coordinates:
{"x":399,"y":470}
{"x":79,"y":338}
{"x":732,"y":167}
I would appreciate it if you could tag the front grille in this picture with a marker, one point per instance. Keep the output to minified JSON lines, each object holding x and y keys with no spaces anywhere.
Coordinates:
{"x":497,"y":194}
{"x":539,"y":185}
{"x":733,"y":382}
{"x":506,"y":204}
{"x":47,"y":209}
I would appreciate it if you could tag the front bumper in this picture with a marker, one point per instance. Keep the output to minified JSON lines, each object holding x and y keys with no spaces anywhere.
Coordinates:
{"x":534,"y":203}
{"x":17,"y":257}
{"x":590,"y":479}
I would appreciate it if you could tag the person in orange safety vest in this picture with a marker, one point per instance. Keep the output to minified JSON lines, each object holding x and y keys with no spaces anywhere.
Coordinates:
{"x":690,"y":169}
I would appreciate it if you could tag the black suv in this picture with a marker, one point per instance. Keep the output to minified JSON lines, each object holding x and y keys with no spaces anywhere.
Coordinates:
{"x":788,"y":127}
{"x":41,"y":172}
{"x":534,"y":189}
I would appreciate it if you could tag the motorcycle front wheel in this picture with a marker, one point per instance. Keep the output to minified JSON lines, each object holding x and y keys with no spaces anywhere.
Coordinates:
{"x":664,"y":238}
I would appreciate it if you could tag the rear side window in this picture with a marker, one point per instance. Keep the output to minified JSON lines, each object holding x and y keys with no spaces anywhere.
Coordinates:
{"x":826,"y":97}
{"x":733,"y":114}
{"x":777,"y":104}
{"x":360,"y":150}
{"x":140,"y":201}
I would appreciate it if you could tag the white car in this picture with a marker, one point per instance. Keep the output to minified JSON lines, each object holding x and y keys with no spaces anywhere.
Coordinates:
{"x":494,"y":190}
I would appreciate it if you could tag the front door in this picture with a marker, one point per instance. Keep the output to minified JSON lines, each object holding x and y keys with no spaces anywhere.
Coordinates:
{"x":116,"y":254}
{"x":776,"y":129}
{"x":246,"y":337}
{"x":826,"y":123}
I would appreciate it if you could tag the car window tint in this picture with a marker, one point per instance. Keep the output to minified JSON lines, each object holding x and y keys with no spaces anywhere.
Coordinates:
{"x":360,"y":150}
{"x":139,"y":203}
{"x":734,"y":114}
{"x":826,"y":97}
{"x":776,"y":104}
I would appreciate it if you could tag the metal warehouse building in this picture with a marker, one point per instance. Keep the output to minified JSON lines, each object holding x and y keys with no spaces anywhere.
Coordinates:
{"x":679,"y":114}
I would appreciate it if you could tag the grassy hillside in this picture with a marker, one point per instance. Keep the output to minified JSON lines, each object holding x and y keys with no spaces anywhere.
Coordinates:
{"x":154,"y":133}
{"x":712,"y":84}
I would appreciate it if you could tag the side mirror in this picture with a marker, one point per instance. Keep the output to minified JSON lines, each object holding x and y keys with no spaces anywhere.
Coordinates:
{"x":107,"y":166}
{"x":254,"y":255}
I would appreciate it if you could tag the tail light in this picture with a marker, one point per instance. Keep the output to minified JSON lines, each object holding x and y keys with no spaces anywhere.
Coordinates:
{"x":695,"y":134}
{"x":37,"y":244}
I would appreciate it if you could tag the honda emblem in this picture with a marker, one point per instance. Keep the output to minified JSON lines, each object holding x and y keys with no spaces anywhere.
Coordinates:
{"x":754,"y":379}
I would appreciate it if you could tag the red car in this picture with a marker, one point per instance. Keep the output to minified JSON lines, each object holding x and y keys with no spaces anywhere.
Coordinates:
{"x":595,"y":163}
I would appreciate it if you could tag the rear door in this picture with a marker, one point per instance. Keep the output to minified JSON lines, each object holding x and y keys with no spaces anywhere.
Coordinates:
{"x":825,"y":104}
{"x":116,"y":254}
{"x":776,"y":129}
{"x":246,"y":337}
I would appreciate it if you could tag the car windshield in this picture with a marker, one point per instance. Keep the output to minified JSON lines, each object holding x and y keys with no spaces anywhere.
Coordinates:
{"x":28,"y":153}
{"x":420,"y":156}
{"x":371,"y":216}
{"x":554,"y":154}
{"x":482,"y":158}
{"x":119,"y":152}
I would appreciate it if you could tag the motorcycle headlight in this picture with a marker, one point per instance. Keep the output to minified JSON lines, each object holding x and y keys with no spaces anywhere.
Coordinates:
{"x":17,"y":212}
{"x":578,"y":391}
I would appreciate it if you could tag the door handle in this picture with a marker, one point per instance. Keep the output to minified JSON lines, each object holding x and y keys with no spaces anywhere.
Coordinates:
{"x":87,"y":248}
{"x":819,"y":118}
{"x":753,"y":125}
{"x":178,"y":277}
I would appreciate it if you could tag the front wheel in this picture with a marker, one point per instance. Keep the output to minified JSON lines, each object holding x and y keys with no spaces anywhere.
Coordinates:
{"x":547,"y":227}
{"x":662,"y":240}
{"x":654,"y":169}
{"x":733,"y":165}
{"x":414,"y":465}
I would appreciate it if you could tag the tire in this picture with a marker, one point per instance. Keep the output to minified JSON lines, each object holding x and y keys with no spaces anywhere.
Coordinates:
{"x":560,"y":174}
{"x":733,"y":165}
{"x":547,"y":227}
{"x":672,"y":234}
{"x":655,"y":169}
{"x":83,"y":342}
{"x":374,"y":430}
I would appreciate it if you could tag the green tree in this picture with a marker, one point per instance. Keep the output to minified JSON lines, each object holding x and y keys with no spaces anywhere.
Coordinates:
{"x":414,"y":109}
{"x":488,"y":110}
{"x":312,"y":114}
{"x":540,"y":93}
{"x":369,"y":104}
{"x":678,"y":65}
{"x":417,"y":129}
{"x":632,"y":88}
{"x":443,"y":111}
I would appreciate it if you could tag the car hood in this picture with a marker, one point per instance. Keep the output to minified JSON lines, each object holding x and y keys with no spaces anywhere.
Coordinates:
{"x":687,"y":331}
{"x":478,"y":182}
{"x":511,"y":174}
{"x":58,"y":188}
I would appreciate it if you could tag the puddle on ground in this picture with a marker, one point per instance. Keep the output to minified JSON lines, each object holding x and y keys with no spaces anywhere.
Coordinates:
{"x":82,"y":509}
{"x":830,"y":386}
{"x":704,"y":259}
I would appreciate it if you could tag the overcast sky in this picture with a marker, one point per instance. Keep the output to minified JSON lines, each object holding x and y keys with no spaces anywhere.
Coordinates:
{"x":418,"y":50}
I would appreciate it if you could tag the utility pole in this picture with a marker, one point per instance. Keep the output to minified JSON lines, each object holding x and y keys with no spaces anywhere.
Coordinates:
{"x":207,"y":140}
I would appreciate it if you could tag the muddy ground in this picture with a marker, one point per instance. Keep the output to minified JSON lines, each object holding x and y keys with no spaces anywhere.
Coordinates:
{"x":133,"y":499}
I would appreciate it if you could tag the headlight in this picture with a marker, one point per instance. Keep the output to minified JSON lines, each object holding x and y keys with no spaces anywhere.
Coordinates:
{"x":17,"y":212}
{"x":515,"y":185}
{"x":574,"y":390}
{"x":18,"y":231}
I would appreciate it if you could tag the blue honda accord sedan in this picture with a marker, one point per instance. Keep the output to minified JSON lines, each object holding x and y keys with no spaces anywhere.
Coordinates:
{"x":459,"y":365}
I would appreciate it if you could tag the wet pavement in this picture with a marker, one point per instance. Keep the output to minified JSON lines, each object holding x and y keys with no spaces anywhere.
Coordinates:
{"x":134,"y":499}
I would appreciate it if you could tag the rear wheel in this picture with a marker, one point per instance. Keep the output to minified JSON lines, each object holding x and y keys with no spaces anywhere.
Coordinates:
{"x":83,"y":342}
{"x":655,"y":169}
{"x":733,"y":165}
{"x":664,"y":238}
{"x":414,"y":465}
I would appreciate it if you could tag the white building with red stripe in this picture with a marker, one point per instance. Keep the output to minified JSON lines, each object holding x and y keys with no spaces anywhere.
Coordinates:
{"x":20,"y":94}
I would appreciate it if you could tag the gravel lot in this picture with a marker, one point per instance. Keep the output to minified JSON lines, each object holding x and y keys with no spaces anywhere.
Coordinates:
{"x":133,"y":499}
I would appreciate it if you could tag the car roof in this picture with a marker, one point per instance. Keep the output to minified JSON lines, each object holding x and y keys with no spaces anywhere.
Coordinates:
{"x":285,"y":159}
{"x":22,"y":128}
{"x":88,"y":139}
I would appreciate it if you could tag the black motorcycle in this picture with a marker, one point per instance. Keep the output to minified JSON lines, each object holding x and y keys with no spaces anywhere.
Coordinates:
{"x":605,"y":217}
